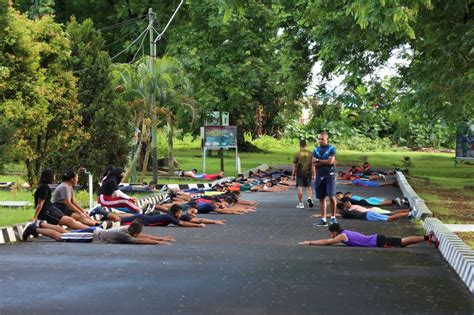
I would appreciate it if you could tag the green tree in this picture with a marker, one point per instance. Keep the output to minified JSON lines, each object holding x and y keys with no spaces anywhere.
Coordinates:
{"x":38,"y":99}
{"x":106,"y":118}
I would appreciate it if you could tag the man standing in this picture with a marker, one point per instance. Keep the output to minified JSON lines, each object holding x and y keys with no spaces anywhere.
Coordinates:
{"x":324,"y":160}
{"x":305,"y":173}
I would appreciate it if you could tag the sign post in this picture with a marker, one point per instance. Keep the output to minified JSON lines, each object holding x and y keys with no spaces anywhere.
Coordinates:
{"x":219,"y":138}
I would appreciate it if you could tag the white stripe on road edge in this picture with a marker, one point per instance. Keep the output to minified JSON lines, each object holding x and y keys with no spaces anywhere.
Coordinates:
{"x":454,"y":250}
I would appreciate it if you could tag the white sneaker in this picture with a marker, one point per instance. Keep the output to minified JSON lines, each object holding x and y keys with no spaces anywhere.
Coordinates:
{"x":300,"y":206}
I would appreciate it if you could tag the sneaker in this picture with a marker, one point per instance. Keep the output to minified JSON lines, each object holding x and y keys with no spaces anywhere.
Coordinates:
{"x":321,"y":222}
{"x":95,"y":211}
{"x":397,"y":201}
{"x":332,"y":221}
{"x":405,"y":201}
{"x":383,"y":176}
{"x":412,"y":213}
{"x":300,"y":206}
{"x":310,"y":202}
{"x":29,"y":230}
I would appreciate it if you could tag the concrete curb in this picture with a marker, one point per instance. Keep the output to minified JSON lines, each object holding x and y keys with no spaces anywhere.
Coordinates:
{"x":11,"y":234}
{"x":415,"y":201}
{"x":454,"y":250}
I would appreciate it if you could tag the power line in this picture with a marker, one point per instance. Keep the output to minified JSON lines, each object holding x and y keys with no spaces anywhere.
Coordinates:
{"x":126,"y":35}
{"x":121,"y":23}
{"x":138,"y":50}
{"x":134,"y":41}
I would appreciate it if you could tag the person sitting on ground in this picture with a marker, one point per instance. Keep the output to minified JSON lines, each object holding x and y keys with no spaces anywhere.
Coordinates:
{"x":369,"y":202}
{"x":352,"y":238}
{"x":123,"y":235}
{"x":369,"y":215}
{"x":111,"y":197}
{"x":44,"y":209}
{"x":63,"y":199}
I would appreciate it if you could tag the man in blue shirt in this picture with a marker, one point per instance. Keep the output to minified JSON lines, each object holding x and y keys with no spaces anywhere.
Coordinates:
{"x":324,"y":161}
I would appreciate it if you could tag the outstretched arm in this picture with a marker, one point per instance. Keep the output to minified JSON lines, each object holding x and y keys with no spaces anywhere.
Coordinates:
{"x":326,"y":242}
{"x":208,"y":221}
{"x":190,"y":224}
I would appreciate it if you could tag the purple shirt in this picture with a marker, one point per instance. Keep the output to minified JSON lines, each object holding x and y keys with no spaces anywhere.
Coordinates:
{"x":358,"y":239}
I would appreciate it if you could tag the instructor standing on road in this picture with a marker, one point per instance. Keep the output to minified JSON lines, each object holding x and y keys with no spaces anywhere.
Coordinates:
{"x":324,"y":160}
{"x":304,"y":171}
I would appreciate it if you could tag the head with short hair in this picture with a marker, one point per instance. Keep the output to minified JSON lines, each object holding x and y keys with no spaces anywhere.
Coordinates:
{"x":194,"y":170}
{"x":302,"y":143}
{"x":348,"y":194}
{"x":47,"y":176}
{"x":175,"y":210}
{"x":334,"y":229}
{"x":135,"y":227}
{"x":347,"y":202}
{"x":70,"y":176}
{"x":339,"y":195}
{"x":323,"y":138}
{"x":340,"y":207}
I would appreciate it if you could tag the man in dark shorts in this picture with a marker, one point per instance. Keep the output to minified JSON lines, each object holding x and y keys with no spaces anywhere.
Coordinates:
{"x":305,"y":173}
{"x":324,"y":160}
{"x":351,"y":238}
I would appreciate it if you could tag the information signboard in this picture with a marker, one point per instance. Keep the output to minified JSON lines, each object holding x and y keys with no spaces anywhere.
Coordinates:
{"x":465,"y":141}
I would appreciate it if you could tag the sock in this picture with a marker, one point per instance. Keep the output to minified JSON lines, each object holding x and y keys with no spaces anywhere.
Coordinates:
{"x":324,"y":219}
{"x":426,"y":237}
{"x":333,"y":217}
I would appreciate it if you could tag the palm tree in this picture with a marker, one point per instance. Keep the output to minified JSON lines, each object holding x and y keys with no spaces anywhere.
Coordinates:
{"x":166,"y":81}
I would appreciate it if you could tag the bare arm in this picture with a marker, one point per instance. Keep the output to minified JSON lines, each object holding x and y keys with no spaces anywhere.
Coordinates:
{"x":190,"y":224}
{"x":330,"y":161}
{"x":208,"y":221}
{"x":149,"y":241}
{"x":38,"y":208}
{"x":326,"y":242}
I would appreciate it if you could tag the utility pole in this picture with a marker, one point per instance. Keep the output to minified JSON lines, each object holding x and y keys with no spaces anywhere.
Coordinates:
{"x":154,"y":142}
{"x":221,"y":151}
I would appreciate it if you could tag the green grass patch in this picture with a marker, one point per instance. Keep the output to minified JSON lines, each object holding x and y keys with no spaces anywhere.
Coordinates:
{"x":468,"y":238}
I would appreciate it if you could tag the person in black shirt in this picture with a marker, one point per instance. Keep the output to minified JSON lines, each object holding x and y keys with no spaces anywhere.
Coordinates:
{"x":44,"y":208}
{"x":111,"y":197}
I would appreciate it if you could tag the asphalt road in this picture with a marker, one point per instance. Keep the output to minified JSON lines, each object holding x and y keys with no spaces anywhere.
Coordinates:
{"x":251,"y":266}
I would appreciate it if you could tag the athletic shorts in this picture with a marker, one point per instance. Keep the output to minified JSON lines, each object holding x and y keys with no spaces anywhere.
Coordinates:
{"x":52,"y":216}
{"x":374,"y":216}
{"x":303,"y":179}
{"x":63,"y":208}
{"x":387,"y":241}
{"x":325,"y":187}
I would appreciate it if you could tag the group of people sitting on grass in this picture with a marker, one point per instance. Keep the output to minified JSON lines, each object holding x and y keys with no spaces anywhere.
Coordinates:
{"x":54,"y":210}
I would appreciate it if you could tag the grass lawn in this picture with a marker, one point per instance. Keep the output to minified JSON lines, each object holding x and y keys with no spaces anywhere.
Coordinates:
{"x":448,"y":190}
{"x":468,"y":238}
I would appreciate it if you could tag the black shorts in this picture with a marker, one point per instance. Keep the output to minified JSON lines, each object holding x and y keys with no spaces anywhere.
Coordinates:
{"x":303,"y":179}
{"x":63,"y":208}
{"x":387,"y":241}
{"x":52,"y":216}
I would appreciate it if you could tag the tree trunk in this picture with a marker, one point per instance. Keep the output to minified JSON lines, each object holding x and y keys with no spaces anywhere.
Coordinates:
{"x":145,"y":161}
{"x":136,"y":154}
{"x":170,"y":146}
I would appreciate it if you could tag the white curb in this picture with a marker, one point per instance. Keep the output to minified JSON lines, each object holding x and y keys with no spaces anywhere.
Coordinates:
{"x":415,"y":201}
{"x":454,"y":250}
